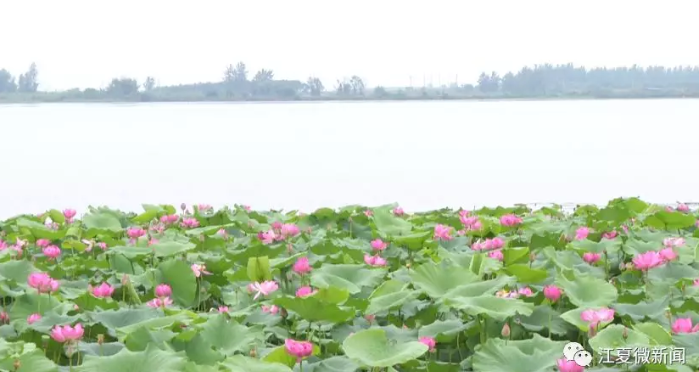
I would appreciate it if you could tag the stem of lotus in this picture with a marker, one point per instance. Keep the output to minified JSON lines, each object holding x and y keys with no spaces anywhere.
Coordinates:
{"x":301,"y":365}
{"x":550,"y":316}
{"x":70,"y":362}
{"x":606,"y":265}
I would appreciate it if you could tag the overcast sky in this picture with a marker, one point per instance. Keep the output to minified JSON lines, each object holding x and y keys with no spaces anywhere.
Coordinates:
{"x":84,"y":43}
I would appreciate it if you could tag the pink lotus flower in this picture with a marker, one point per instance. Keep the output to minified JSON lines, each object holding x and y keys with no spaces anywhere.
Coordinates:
{"x":442,"y":232}
{"x":199,"y":270}
{"x":189,"y":223}
{"x":247,"y":208}
{"x":135,"y":232}
{"x":552,"y":293}
{"x":488,"y":244}
{"x":582,"y":233}
{"x":171,"y":218}
{"x":103,"y":290}
{"x":3,"y":245}
{"x":668,"y":254}
{"x":648,"y":260}
{"x":696,"y":282}
{"x":497,"y":255}
{"x":430,"y":342}
{"x":591,"y":258}
{"x":684,"y":325}
{"x":265,"y":288}
{"x":204,"y":207}
{"x":510,"y":220}
{"x":69,"y":214}
{"x":565,"y":365}
{"x":526,"y":291}
{"x":683,"y":207}
{"x":163,"y":290}
{"x":305,"y":291}
{"x":368,"y":213}
{"x":67,"y":333}
{"x":298,"y":349}
{"x":152,"y":241}
{"x":222,"y":233}
{"x":102,"y":246}
{"x":507,"y":294}
{"x":375,"y":261}
{"x":223,"y":309}
{"x":610,"y":235}
{"x":52,"y":252}
{"x":398,"y":211}
{"x":289,"y":230}
{"x":378,"y":245}
{"x":42,"y":282}
{"x":159,"y":302}
{"x":594,"y":317}
{"x":270,"y":309}
{"x":267,"y":237}
{"x":470,"y":222}
{"x":673,"y":242}
{"x":301,"y":266}
{"x":369,"y":317}
{"x":4,"y":318}
{"x":43,"y":243}
{"x":33,"y":318}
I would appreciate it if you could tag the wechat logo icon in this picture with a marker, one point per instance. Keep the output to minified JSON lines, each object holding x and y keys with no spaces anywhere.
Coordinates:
{"x":574,"y":352}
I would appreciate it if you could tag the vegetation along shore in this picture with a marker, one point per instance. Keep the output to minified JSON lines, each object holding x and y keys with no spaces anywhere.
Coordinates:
{"x":199,"y":289}
{"x":238,"y":84}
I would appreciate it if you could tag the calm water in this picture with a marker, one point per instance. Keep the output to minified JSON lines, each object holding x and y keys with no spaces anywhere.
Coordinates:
{"x":305,"y":155}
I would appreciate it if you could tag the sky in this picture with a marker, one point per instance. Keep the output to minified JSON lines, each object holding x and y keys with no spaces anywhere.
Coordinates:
{"x":86,"y":43}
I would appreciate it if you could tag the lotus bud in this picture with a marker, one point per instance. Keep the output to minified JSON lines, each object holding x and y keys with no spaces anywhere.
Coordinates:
{"x":625,"y":333}
{"x":253,"y":353}
{"x":532,"y":257}
{"x":100,"y":339}
{"x":505,"y":331}
{"x":16,"y":364}
{"x":45,"y":339}
{"x":407,"y":264}
{"x":183,"y":206}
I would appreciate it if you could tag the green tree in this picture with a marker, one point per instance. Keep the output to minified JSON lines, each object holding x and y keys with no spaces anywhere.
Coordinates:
{"x":314,"y":86}
{"x":7,"y":82}
{"x":149,"y":84}
{"x":28,"y":82}
{"x":123,"y":87}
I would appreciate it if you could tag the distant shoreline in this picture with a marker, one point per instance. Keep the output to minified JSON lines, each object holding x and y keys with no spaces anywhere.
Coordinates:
{"x":37,"y":99}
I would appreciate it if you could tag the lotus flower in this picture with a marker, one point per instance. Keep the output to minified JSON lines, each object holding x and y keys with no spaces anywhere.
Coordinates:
{"x":267,"y":237}
{"x":298,"y":349}
{"x":159,"y":302}
{"x":497,"y":255}
{"x":594,"y":317}
{"x":301,"y":266}
{"x":52,"y":252}
{"x":442,"y":232}
{"x":265,"y":288}
{"x":67,"y":333}
{"x":510,"y":220}
{"x":582,"y":233}
{"x":189,"y":223}
{"x":33,"y":318}
{"x":374,"y":260}
{"x":204,"y":207}
{"x":135,"y":232}
{"x":171,"y":218}
{"x":609,"y":235}
{"x":103,"y":290}
{"x":368,"y":213}
{"x":648,"y":260}
{"x":683,"y":207}
{"x":591,"y":258}
{"x":378,"y":245}
{"x":43,"y":243}
{"x":667,"y":254}
{"x":305,"y":291}
{"x":289,"y":230}
{"x":684,"y":325}
{"x":429,"y":342}
{"x":398,"y":211}
{"x":270,"y":309}
{"x":223,"y":309}
{"x":199,"y":270}
{"x":526,"y":291}
{"x":673,"y":242}
{"x":163,"y":290}
{"x":42,"y":282}
{"x":552,"y":293}
{"x":69,"y":214}
{"x":565,"y":365}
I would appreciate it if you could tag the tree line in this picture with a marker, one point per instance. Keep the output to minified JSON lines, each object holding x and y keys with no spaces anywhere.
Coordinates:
{"x":237,"y":83}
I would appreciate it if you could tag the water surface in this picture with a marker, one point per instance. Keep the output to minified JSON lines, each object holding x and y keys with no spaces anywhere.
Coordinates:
{"x":305,"y":155}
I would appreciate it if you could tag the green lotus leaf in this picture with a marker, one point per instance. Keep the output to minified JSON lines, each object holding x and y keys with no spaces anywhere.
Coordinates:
{"x":372,"y":348}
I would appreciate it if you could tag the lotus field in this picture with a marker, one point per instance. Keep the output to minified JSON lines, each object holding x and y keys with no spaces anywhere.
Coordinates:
{"x":196,"y":289}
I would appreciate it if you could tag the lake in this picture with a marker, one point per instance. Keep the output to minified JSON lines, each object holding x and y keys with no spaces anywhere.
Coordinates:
{"x":424,"y":155}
